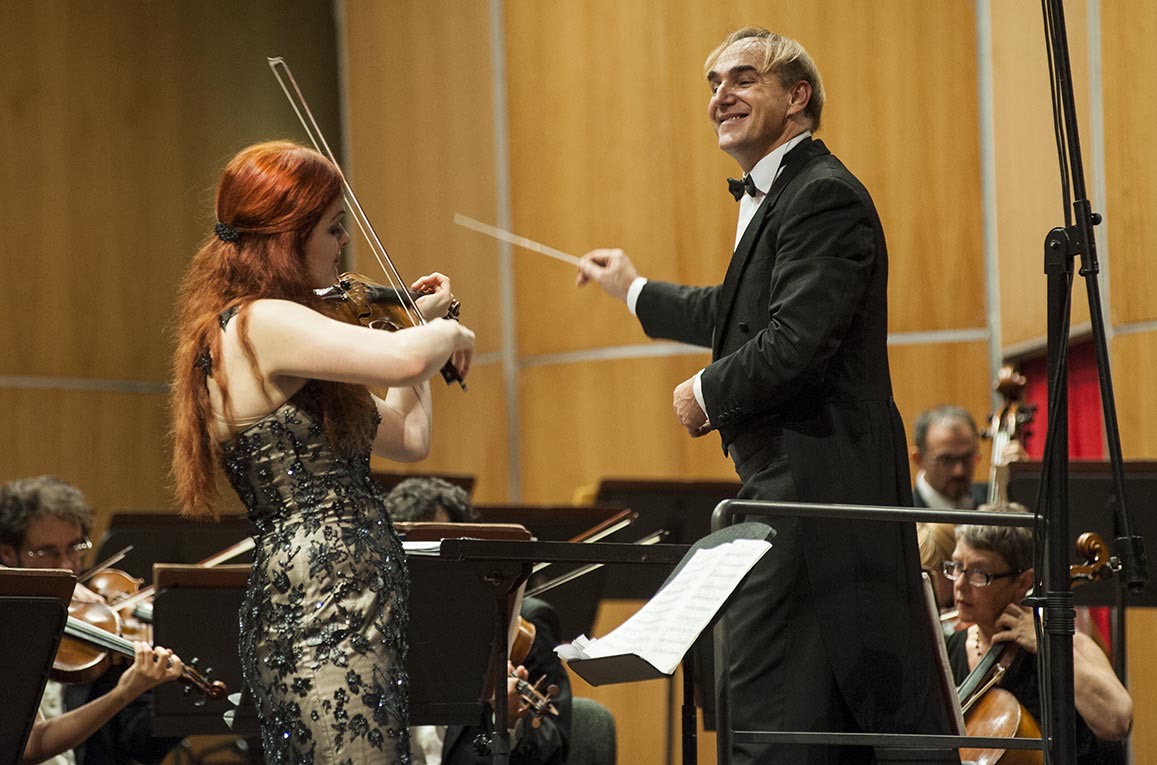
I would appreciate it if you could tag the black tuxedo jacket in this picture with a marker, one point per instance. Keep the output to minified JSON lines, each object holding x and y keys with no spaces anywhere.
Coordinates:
{"x":798,"y":332}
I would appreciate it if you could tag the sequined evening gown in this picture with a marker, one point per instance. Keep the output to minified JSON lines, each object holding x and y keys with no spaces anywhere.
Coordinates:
{"x":323,"y":622}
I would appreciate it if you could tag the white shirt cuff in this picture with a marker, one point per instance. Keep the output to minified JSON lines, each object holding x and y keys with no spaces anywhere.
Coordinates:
{"x":697,"y":389}
{"x":633,"y":293}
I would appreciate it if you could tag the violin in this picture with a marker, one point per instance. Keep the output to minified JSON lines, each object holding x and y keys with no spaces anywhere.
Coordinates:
{"x":535,"y":702}
{"x":992,"y":711}
{"x":91,"y":636}
{"x":117,"y":588}
{"x":355,"y":299}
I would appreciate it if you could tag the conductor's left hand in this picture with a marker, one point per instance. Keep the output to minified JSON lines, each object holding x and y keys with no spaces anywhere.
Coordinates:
{"x":687,"y":410}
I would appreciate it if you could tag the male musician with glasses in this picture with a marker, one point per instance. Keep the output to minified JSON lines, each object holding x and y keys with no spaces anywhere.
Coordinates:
{"x":45,"y":523}
{"x":946,"y":451}
{"x":991,"y":572}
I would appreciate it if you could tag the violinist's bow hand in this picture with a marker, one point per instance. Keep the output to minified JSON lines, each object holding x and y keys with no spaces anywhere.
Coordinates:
{"x":687,"y":410}
{"x":610,"y":269}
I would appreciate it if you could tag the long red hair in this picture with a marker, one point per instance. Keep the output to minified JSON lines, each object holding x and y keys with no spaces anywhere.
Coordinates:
{"x":272,"y":195}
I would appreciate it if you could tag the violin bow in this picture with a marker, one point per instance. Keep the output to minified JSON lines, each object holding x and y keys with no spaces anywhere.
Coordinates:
{"x":304,"y":115}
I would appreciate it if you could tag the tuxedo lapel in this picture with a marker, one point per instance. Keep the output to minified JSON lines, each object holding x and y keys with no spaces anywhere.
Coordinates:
{"x":793,"y":162}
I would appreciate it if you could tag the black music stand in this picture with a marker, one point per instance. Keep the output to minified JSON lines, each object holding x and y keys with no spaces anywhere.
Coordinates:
{"x":505,"y":565}
{"x":452,"y":635}
{"x":681,"y":508}
{"x":576,"y":601}
{"x":33,"y":610}
{"x":169,"y":538}
{"x":195,"y":614}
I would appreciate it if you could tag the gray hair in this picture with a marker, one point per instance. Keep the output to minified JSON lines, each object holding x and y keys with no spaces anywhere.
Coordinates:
{"x":28,"y":499}
{"x":1013,"y":543}
{"x":418,"y":499}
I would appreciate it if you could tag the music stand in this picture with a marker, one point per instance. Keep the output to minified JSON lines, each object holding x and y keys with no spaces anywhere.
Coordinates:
{"x":451,"y":634}
{"x":505,"y":566}
{"x":682,"y":508}
{"x":33,"y":610}
{"x":195,"y":614}
{"x":575,"y":601}
{"x":169,"y":538}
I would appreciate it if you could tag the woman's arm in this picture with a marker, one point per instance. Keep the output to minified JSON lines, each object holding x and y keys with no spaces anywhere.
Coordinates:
{"x":292,"y":340}
{"x":404,"y":433}
{"x":1101,"y":700}
{"x":151,"y":667}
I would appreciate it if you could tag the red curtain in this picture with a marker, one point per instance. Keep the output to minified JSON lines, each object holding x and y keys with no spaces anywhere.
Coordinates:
{"x":1086,"y":421}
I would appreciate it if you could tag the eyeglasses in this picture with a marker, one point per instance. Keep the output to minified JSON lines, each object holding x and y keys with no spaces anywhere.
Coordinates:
{"x":953,"y":459}
{"x":977,"y":577}
{"x":50,"y":552}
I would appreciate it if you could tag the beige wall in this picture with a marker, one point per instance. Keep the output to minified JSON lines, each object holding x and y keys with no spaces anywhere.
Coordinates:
{"x":117,"y":117}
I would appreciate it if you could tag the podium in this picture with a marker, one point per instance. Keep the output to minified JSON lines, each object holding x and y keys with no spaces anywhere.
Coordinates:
{"x":33,"y":610}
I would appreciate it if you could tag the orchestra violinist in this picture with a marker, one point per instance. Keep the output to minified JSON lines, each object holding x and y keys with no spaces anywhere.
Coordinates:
{"x":272,"y":387}
{"x":44,"y":523}
{"x":992,"y":571}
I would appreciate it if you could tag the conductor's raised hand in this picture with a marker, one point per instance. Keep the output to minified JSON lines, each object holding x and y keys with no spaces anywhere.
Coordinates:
{"x":610,"y":269}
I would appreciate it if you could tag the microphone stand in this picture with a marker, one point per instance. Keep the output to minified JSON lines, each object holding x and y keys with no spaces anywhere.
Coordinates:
{"x":1062,"y":246}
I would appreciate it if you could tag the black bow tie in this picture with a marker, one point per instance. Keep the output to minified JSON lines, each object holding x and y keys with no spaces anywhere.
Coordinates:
{"x":737,"y":188}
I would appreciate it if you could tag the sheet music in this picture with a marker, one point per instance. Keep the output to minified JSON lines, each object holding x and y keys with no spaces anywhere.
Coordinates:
{"x":662,"y":631}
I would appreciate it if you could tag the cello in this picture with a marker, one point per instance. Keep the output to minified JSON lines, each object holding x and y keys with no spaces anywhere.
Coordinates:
{"x":992,"y":711}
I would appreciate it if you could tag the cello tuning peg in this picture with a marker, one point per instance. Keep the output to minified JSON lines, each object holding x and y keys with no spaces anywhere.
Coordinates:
{"x":193,"y":662}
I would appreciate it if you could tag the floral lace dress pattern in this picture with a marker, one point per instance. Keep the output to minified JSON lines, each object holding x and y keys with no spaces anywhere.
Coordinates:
{"x":323,"y":622}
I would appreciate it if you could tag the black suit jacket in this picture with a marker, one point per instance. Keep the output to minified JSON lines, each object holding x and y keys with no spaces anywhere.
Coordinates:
{"x":798,"y":332}
{"x":979,"y":492}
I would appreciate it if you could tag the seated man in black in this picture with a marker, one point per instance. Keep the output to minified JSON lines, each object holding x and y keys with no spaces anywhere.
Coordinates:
{"x":991,"y":570}
{"x":45,"y":523}
{"x":433,"y":499}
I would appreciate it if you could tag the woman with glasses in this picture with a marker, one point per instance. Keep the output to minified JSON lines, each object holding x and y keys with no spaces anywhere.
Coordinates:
{"x":991,"y":572}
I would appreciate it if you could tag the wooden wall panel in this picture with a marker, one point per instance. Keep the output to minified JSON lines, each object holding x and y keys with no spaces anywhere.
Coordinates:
{"x":1141,"y":626}
{"x":1134,"y":362}
{"x":1129,"y":63}
{"x":924,"y":376}
{"x":422,"y":144}
{"x":619,"y":138}
{"x":118,"y":118}
{"x":111,"y":445}
{"x":1028,"y":195}
{"x":584,"y":422}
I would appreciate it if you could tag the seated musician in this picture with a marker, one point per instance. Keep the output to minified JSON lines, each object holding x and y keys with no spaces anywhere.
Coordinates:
{"x":433,"y":499}
{"x":991,"y":570}
{"x":55,"y":737}
{"x":45,"y":523}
